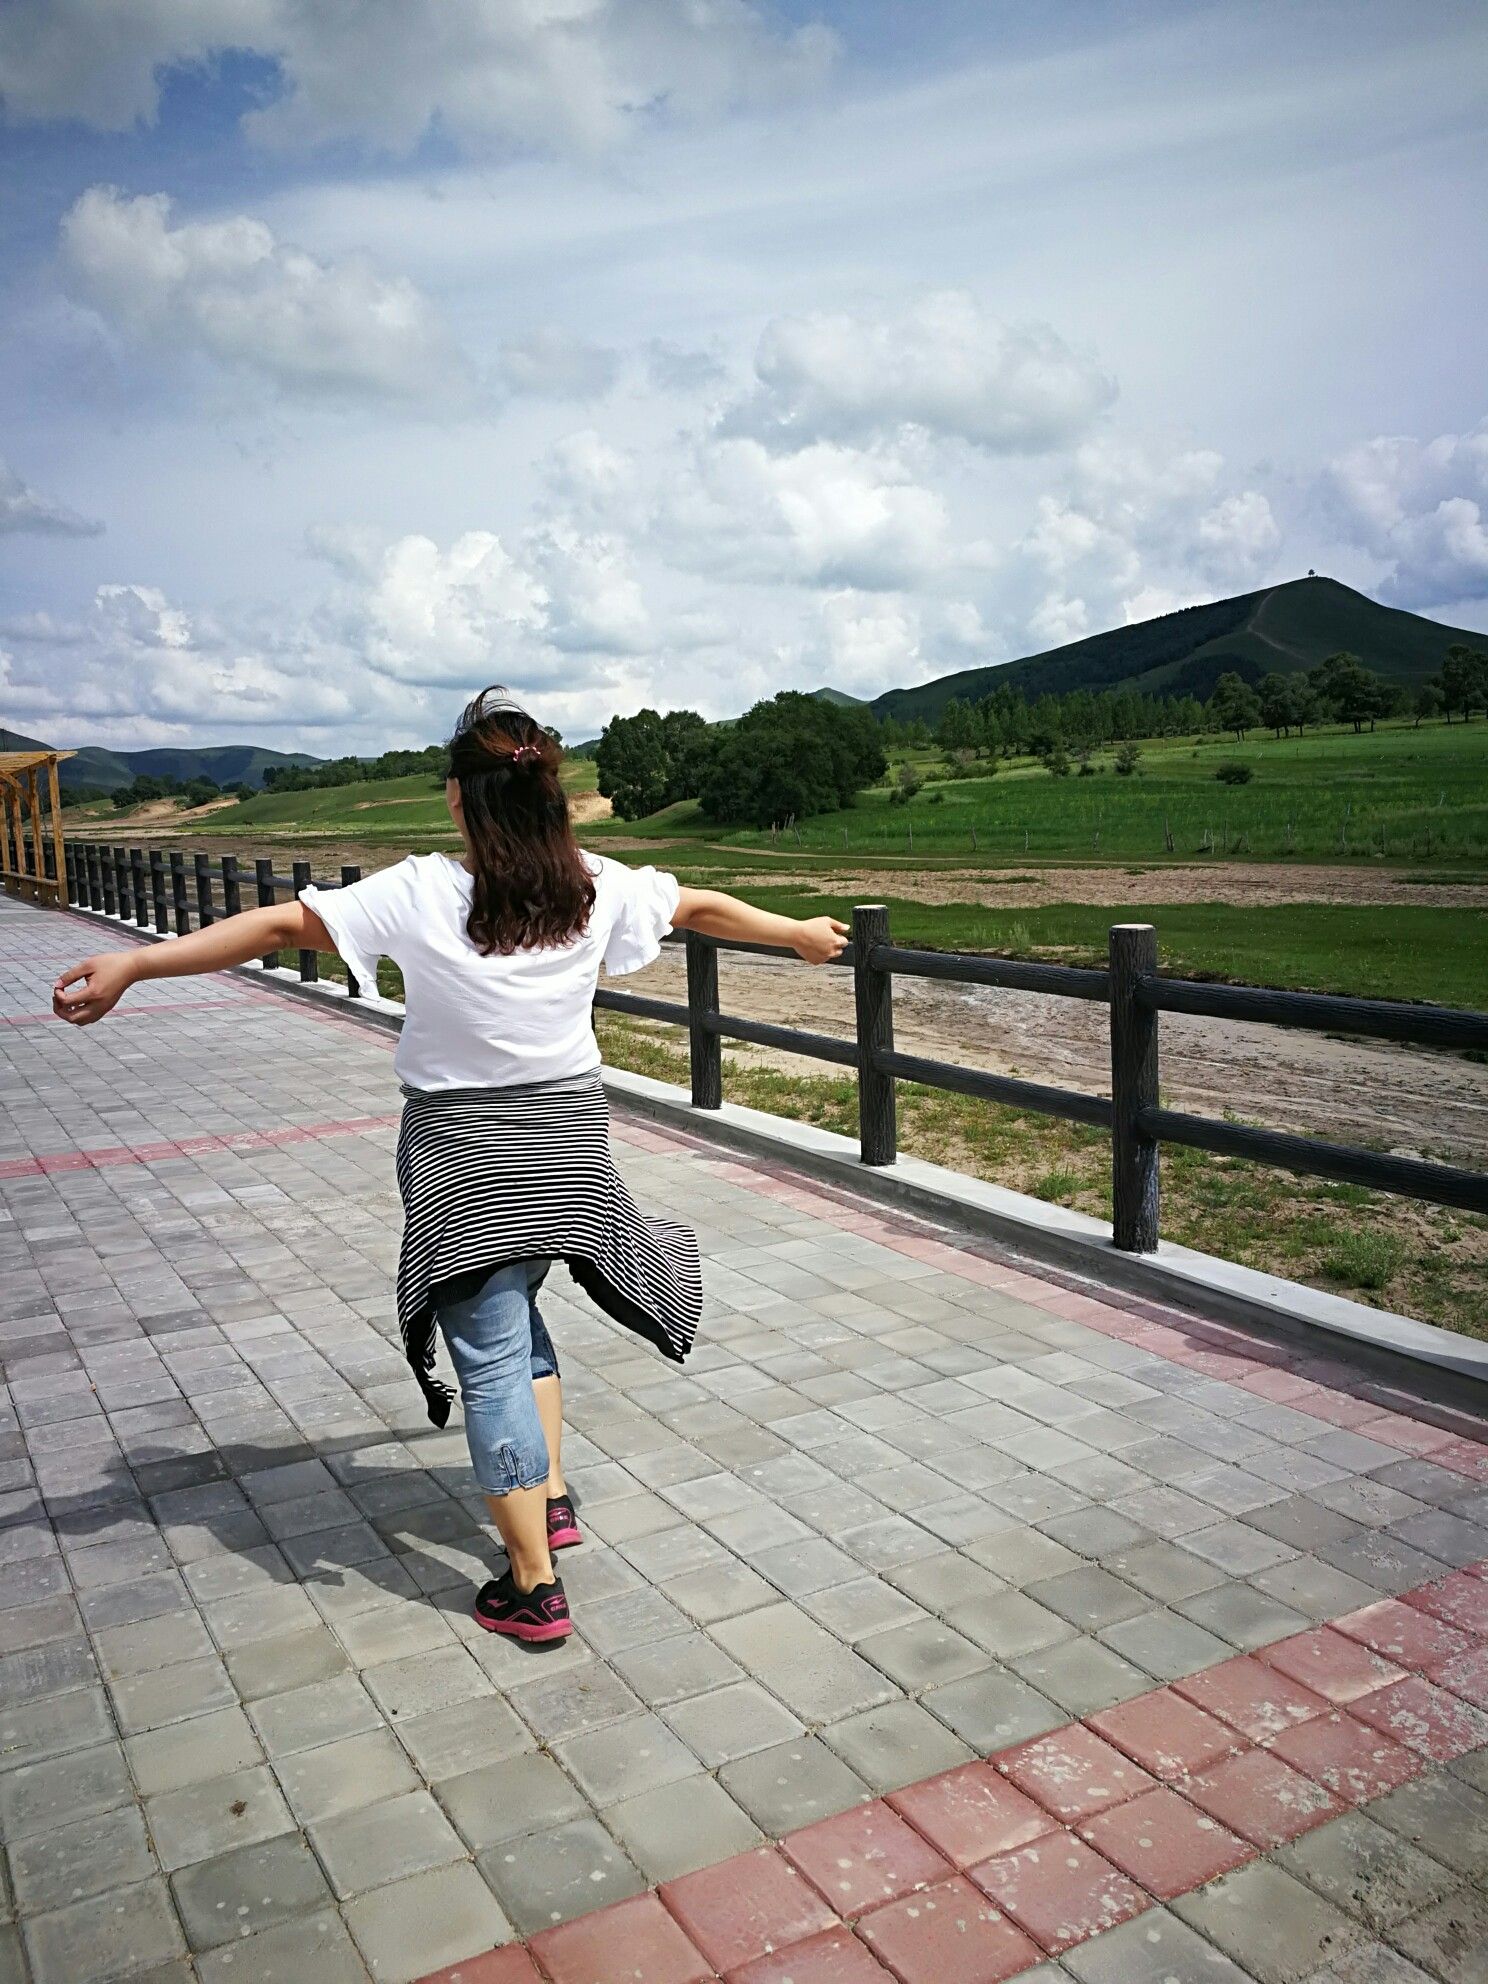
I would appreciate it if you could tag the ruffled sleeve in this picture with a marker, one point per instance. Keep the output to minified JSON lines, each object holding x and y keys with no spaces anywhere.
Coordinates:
{"x":364,"y":920}
{"x":647,"y":902}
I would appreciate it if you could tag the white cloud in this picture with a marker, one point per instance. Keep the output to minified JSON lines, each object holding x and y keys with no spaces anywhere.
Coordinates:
{"x":23,"y":508}
{"x":825,"y":515}
{"x":1237,"y":536}
{"x":871,"y":642}
{"x":1419,"y":508}
{"x":435,"y":616}
{"x":944,"y":365}
{"x":550,"y":75}
{"x":229,"y":289}
{"x":550,"y":364}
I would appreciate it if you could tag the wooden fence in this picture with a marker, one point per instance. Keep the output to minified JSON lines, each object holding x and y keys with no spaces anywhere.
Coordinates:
{"x":164,"y":893}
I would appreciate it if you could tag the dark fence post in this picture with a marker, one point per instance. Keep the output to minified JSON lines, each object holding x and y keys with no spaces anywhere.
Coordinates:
{"x":878,"y":1137}
{"x":705,"y":1047}
{"x":350,"y":873}
{"x":1134,"y":1156}
{"x":205,"y":915}
{"x":180,"y":904}
{"x":309,"y":960}
{"x":137,"y":883}
{"x":120,"y":858}
{"x":95,"y":875}
{"x":111,"y":904}
{"x":232,"y":888}
{"x":69,"y":853}
{"x":264,"y":871}
{"x":157,"y":891}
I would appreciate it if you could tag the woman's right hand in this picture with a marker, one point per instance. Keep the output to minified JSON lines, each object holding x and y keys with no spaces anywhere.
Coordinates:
{"x":820,"y":939}
{"x":97,"y":985}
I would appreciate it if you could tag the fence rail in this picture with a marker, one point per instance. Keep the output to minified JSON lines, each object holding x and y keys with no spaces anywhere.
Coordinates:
{"x":120,"y":883}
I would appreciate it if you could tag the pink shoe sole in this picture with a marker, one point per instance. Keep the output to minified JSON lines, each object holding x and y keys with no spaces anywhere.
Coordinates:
{"x":534,"y":1635}
{"x":565,"y":1538}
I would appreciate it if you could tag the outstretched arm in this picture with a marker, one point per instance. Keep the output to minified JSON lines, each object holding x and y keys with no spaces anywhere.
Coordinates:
{"x":90,"y":989}
{"x":711,"y":913}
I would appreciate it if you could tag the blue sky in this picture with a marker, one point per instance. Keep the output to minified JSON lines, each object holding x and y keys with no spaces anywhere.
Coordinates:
{"x":677,"y":351}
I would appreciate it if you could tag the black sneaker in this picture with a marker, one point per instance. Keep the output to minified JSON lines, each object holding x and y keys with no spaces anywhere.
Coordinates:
{"x":563,"y":1524}
{"x":539,"y":1617}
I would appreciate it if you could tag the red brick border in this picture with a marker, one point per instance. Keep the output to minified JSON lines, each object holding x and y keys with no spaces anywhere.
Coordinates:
{"x":979,"y":1873}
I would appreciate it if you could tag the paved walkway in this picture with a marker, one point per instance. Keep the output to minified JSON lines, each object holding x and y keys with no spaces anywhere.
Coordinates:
{"x":908,"y":1507}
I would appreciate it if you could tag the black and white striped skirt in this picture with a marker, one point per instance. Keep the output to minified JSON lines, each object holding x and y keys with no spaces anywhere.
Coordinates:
{"x":494,"y":1175}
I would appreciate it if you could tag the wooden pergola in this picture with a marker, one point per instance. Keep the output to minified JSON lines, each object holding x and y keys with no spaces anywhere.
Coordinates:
{"x":23,"y":853}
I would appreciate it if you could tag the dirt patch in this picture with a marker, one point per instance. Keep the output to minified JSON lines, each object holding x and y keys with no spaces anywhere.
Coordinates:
{"x":1412,"y":1100}
{"x":1113,"y":888}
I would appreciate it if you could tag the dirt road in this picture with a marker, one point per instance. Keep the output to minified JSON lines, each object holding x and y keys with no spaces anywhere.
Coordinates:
{"x":1411,"y":1100}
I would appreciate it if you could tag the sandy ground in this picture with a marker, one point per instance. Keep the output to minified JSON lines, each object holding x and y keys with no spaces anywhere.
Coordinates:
{"x":1406,"y":1098}
{"x":1412,"y":1100}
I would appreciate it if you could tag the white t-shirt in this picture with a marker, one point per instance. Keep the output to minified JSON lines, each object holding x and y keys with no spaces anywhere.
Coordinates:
{"x":490,"y":1022}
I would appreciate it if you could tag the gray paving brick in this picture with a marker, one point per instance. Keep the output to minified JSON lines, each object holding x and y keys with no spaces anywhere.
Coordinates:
{"x":898,"y":1743}
{"x":238,"y":1893}
{"x":1154,"y":1948}
{"x":923,"y":1654}
{"x":1245,"y":1617}
{"x":1165,"y":1645}
{"x":191,"y":1752}
{"x":548,"y":1877}
{"x":204,"y":1820}
{"x":515,"y":1795}
{"x":293,"y":1660}
{"x":91,"y":1856}
{"x":1366,"y":1869}
{"x":317,"y":1948}
{"x":341,"y":1777}
{"x":1273,"y":1926}
{"x":171,"y":1694}
{"x":323,"y":1712}
{"x":672,"y":1669}
{"x":388,"y":1841}
{"x":730,"y":1722}
{"x":1450,"y":1939}
{"x":105,"y":1937}
{"x":681,"y":1827}
{"x":1443,"y":1816}
{"x":40,"y":1797}
{"x":460,"y":1738}
{"x":439,"y":1917}
{"x":793,"y":1784}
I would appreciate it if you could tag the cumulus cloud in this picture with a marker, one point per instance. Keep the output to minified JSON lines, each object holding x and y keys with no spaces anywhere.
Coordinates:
{"x":823,"y":515}
{"x":944,"y":365}
{"x":1418,"y":507}
{"x":549,"y":75}
{"x":870,"y":641}
{"x":229,"y":289}
{"x":553,"y":365}
{"x":23,"y":508}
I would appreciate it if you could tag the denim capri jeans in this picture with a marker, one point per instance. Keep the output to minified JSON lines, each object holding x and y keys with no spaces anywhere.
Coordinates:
{"x":498,"y":1344}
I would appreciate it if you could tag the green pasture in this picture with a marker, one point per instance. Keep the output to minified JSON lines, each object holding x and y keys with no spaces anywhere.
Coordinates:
{"x":1395,"y":795}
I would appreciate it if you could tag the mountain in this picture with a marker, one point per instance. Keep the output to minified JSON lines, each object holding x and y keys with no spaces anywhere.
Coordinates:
{"x":1282,"y":630}
{"x":225,"y":764}
{"x":840,"y":697}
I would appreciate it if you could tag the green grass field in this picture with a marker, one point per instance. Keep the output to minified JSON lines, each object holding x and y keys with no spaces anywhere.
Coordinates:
{"x":1396,"y":795}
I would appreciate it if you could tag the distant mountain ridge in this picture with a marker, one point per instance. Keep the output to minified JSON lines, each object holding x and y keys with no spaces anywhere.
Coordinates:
{"x":225,"y":764}
{"x":1283,"y":629}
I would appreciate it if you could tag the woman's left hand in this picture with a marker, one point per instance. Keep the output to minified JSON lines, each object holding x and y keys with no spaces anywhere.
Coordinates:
{"x":819,"y":939}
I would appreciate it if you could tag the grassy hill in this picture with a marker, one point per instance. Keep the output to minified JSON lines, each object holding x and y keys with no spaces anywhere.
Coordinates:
{"x":225,"y":764}
{"x":1285,"y":629}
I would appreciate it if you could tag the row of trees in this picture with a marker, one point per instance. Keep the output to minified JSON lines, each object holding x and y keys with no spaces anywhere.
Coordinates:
{"x":1342,"y":690}
{"x":150,"y":786}
{"x":352,"y":771}
{"x":783,"y":759}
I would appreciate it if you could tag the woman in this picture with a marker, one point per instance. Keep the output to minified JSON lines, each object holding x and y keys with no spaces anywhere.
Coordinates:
{"x":503,"y":1154}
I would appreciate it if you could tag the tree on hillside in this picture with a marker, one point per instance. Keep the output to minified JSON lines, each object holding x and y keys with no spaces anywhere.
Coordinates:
{"x":1354,"y":693}
{"x":1275,"y":697}
{"x":1428,"y":702}
{"x":1464,"y":679}
{"x":1234,"y":706}
{"x":790,"y":757}
{"x":1306,"y":707}
{"x":958,"y":729}
{"x":648,"y":761}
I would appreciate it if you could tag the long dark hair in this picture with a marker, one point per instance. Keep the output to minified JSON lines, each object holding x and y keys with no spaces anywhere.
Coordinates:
{"x":532,"y":886}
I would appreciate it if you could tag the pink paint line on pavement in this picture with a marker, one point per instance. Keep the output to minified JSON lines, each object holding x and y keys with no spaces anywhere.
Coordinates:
{"x":155,"y":1153}
{"x":983,"y":1871}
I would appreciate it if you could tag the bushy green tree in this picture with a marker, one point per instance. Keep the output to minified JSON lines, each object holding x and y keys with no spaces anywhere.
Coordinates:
{"x":1353,"y":692}
{"x":1275,"y":698}
{"x":790,"y":757}
{"x":648,"y":761}
{"x":1234,"y":706}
